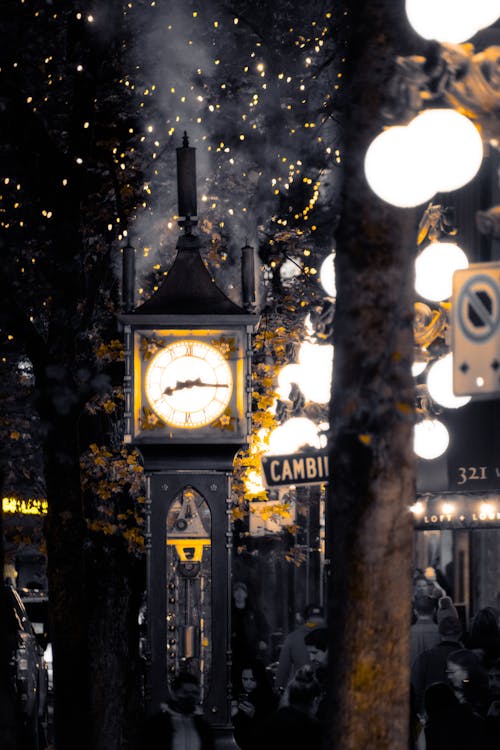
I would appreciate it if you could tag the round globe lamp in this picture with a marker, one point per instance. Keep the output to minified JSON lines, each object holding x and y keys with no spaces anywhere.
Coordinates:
{"x":449,"y":144}
{"x":418,"y":367}
{"x":434,"y":269}
{"x":327,"y":275}
{"x":431,"y":439}
{"x":452,"y":21}
{"x":316,"y":364}
{"x":440,"y":384}
{"x":395,"y":170}
{"x":292,"y":435}
{"x":486,"y":12}
{"x":290,"y":269}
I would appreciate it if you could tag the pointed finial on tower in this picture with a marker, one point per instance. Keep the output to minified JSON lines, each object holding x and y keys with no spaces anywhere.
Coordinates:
{"x":186,"y":185}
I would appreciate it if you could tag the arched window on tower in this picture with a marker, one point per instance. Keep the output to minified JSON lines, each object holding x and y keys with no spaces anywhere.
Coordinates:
{"x":189,"y":586}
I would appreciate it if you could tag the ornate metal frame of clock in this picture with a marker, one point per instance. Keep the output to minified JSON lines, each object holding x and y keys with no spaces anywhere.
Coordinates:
{"x":187,"y":408}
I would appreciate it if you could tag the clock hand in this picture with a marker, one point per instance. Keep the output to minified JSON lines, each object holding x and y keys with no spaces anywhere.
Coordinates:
{"x":170,"y":389}
{"x":198,"y":383}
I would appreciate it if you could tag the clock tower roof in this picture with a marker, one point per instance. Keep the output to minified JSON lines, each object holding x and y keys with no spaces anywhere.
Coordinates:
{"x":188,"y":287}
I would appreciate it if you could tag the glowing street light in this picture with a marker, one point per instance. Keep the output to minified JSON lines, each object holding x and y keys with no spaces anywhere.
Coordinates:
{"x":440,"y":384}
{"x":293,"y":434}
{"x":451,"y":146}
{"x":316,"y":363}
{"x":327,"y":275}
{"x":452,"y":21}
{"x":434,"y":269}
{"x":438,"y":151}
{"x":395,"y":170}
{"x":431,"y":439}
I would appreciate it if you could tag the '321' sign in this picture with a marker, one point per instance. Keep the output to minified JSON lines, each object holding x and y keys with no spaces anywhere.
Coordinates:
{"x":471,"y":474}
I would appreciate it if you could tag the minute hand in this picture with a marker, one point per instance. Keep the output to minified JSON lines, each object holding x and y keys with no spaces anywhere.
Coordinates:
{"x":198,"y":383}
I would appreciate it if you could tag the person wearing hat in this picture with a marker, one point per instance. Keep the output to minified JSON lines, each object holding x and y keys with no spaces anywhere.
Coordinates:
{"x":430,"y":665}
{"x":294,"y":653}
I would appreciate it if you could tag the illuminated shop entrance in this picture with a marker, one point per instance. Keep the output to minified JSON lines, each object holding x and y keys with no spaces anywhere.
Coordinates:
{"x":459,"y":537}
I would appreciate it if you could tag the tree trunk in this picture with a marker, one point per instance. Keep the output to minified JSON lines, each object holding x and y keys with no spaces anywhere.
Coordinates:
{"x":7,"y":697}
{"x":65,"y":533}
{"x":369,"y":529}
{"x":115,"y":582}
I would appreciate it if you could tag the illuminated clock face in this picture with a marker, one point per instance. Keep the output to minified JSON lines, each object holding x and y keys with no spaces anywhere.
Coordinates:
{"x":188,"y":384}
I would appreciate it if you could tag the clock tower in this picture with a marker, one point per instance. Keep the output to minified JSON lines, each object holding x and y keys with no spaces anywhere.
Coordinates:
{"x":187,"y":408}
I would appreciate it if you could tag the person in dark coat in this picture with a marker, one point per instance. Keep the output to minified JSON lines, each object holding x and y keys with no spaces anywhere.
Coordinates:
{"x":294,"y":653}
{"x":317,"y":646}
{"x":249,"y":630}
{"x":484,"y":636}
{"x":494,"y":681}
{"x":449,"y":723}
{"x":180,"y":722}
{"x":430,"y":665}
{"x":253,"y":702}
{"x":468,"y":679}
{"x":424,"y":632}
{"x":492,"y":727}
{"x":293,"y":727}
{"x":492,"y":722}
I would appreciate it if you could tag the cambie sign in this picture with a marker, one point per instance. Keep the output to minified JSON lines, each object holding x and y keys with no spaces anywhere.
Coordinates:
{"x":310,"y":467}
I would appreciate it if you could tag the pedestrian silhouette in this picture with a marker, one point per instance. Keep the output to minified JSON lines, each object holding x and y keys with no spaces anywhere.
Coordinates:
{"x":180,"y":722}
{"x":449,"y":723}
{"x":294,"y":727}
{"x":253,"y":702}
{"x":294,"y":653}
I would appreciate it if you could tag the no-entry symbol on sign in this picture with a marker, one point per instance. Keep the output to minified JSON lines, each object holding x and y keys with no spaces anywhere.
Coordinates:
{"x":479,"y":308}
{"x":475,"y":326}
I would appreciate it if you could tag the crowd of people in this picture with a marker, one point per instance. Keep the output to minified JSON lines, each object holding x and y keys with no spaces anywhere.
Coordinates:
{"x":454,"y":675}
{"x":284,"y":709}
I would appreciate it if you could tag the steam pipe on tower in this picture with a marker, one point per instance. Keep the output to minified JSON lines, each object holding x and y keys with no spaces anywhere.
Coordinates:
{"x":248,"y":276}
{"x":128,"y":278}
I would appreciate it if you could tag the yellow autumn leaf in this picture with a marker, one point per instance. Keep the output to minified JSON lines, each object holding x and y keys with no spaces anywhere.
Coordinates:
{"x":237,"y":513}
{"x":404,"y":408}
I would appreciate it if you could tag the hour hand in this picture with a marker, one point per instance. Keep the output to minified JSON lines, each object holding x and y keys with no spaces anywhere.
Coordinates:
{"x":177,"y":387}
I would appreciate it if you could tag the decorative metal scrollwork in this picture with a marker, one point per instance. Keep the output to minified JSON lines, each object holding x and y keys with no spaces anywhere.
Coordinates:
{"x":453,"y":74}
{"x":429,"y":324}
{"x":488,"y":222}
